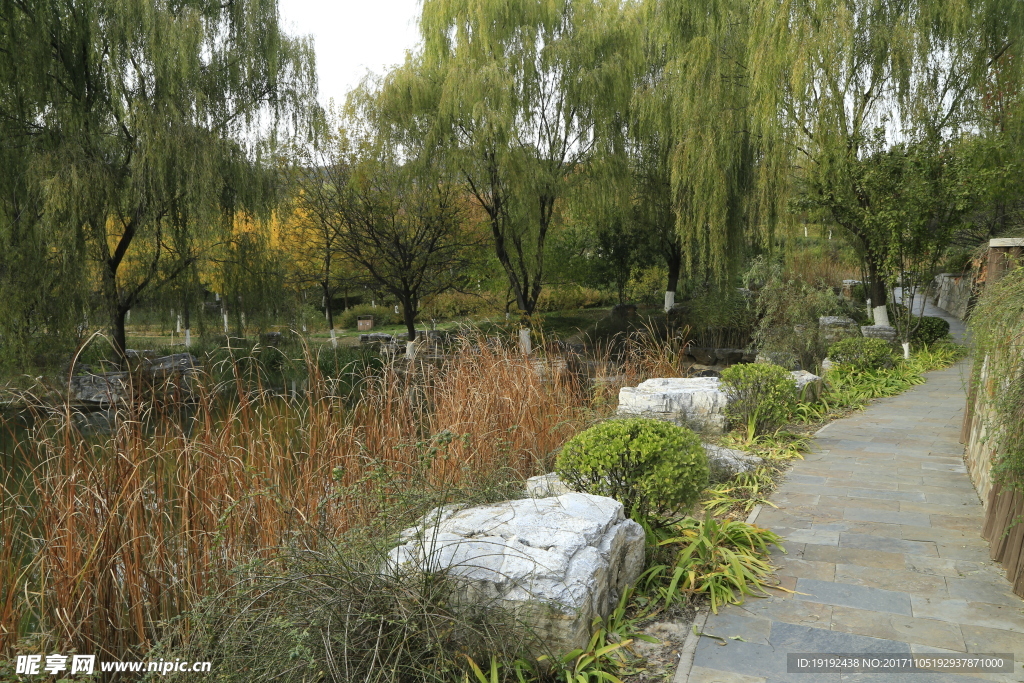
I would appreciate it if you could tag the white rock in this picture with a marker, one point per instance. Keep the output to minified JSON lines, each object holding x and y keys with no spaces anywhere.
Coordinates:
{"x":803,"y":378}
{"x":544,"y":485}
{"x":726,"y":463}
{"x":696,"y":402}
{"x":556,"y":562}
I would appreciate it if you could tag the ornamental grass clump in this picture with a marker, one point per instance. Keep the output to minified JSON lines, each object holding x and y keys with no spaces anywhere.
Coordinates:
{"x":761,"y":397}
{"x":655,"y":469}
{"x":863,"y":353}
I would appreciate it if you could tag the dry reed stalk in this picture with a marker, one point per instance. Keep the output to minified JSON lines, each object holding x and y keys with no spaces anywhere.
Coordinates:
{"x":131,"y":530}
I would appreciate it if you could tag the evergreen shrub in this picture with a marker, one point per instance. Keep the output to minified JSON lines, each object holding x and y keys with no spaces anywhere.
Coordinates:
{"x":930,"y":330}
{"x":862,"y":353}
{"x":655,"y":469}
{"x":761,"y":396}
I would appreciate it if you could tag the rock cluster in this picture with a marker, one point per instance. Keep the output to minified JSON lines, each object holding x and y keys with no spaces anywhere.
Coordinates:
{"x":109,"y":388}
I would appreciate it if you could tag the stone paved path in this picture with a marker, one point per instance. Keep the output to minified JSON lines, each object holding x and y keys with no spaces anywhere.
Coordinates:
{"x":882,"y":528}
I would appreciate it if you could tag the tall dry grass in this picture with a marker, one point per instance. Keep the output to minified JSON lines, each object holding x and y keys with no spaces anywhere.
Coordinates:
{"x":107,"y":539}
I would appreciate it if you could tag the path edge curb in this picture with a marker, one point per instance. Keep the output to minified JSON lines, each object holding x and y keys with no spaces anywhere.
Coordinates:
{"x":690,"y":646}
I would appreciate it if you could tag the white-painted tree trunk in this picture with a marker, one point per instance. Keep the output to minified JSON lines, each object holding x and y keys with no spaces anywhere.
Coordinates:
{"x":871,"y":312}
{"x":224,"y":314}
{"x":410,"y":350}
{"x":525,"y":343}
{"x":178,"y":326}
{"x":670,"y":301}
{"x":334,"y":339}
{"x":881,"y":316}
{"x":906,"y":349}
{"x":188,"y":337}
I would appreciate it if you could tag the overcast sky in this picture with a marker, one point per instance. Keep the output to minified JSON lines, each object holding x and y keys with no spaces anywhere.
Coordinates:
{"x":352,"y":37}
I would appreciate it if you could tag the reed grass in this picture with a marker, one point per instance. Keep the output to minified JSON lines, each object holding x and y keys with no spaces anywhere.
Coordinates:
{"x":111,"y":538}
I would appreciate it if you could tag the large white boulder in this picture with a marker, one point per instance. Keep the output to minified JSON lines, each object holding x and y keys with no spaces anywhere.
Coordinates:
{"x":695,"y":402}
{"x":556,"y":562}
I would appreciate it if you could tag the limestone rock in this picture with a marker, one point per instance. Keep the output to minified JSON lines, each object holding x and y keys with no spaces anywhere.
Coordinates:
{"x":726,"y":463}
{"x":836,"y":327}
{"x":784,"y":358}
{"x":556,"y":562}
{"x":808,"y":385}
{"x":544,"y":485}
{"x":695,"y":402}
{"x":886,"y":332}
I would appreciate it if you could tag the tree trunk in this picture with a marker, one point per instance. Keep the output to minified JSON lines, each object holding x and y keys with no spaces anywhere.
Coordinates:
{"x":328,"y":309}
{"x":409,"y":316}
{"x":188,"y":327}
{"x":117,"y":330}
{"x":877,"y":287}
{"x":674,"y":260}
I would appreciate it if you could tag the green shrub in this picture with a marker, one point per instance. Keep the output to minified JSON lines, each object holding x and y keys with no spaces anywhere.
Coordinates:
{"x":862,"y":353}
{"x":651,"y":467}
{"x":761,"y":396}
{"x":930,"y":330}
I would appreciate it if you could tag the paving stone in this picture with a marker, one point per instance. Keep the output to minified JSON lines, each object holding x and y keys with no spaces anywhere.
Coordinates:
{"x":886,"y":495}
{"x":848,"y":595}
{"x":868,"y":528}
{"x":862,"y":503}
{"x":892,"y":545}
{"x":963,"y":551}
{"x":791,"y":566}
{"x":964,"y":499}
{"x":940,"y":535}
{"x":898,"y":627}
{"x":784,"y":588}
{"x":802,"y":612}
{"x":857,"y":556}
{"x":886,"y":516}
{"x":733,"y":624}
{"x":959,"y":510}
{"x":981,"y":639}
{"x":977,"y":589}
{"x":936,"y":566}
{"x":794,"y":498}
{"x":969,"y":524}
{"x":966,"y":612}
{"x":805,"y":479}
{"x":891,"y":579}
{"x":700,"y":674}
{"x":815,"y":537}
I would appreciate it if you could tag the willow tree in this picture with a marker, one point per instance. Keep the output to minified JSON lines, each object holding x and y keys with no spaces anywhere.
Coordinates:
{"x":701,"y":179}
{"x":138,"y":119}
{"x":513,"y":92}
{"x":828,"y":76}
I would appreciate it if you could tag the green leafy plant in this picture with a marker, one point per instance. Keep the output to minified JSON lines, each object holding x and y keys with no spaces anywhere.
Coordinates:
{"x":930,"y":330}
{"x":761,"y":396}
{"x":655,"y":469}
{"x":862,"y":353}
{"x":741,"y":494}
{"x":725,"y":560}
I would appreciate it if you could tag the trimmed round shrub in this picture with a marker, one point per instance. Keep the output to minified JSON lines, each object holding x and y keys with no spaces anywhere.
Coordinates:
{"x":930,"y":330}
{"x":762,"y":396}
{"x":863,"y":353}
{"x":655,"y":469}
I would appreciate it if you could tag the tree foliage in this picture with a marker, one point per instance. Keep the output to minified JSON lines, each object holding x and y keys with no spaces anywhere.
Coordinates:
{"x":135,"y":121}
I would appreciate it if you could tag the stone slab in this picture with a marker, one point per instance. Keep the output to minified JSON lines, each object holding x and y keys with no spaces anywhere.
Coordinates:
{"x":849,"y":595}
